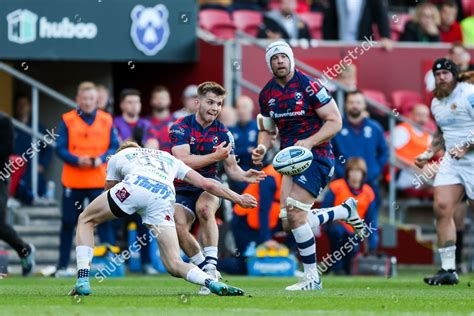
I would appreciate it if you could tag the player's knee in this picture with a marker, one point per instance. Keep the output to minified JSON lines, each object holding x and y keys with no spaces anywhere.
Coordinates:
{"x":205,"y":213}
{"x":441,"y":208}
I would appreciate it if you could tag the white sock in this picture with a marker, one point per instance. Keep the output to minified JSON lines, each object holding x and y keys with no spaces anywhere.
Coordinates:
{"x":306,"y":246}
{"x":320,"y":216}
{"x":197,"y":276}
{"x":84,"y":255}
{"x":211,"y":255}
{"x":448,"y":258}
{"x":198,"y":259}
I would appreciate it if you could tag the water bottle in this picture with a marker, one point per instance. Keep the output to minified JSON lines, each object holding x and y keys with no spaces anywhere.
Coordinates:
{"x":50,"y":190}
{"x":134,"y":264}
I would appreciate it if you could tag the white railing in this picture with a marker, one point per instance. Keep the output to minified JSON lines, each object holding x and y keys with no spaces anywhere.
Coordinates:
{"x":36,"y":88}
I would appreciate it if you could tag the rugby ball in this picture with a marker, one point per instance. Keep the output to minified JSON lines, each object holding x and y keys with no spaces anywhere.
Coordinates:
{"x":292,"y":160}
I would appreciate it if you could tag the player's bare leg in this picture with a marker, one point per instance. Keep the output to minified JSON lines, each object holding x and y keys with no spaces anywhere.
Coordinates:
{"x":447,"y":197}
{"x":97,"y":212}
{"x":169,"y":246}
{"x":206,"y":208}
{"x":459,"y":216}
{"x":285,"y":189}
{"x":187,"y":242}
{"x":298,"y":204}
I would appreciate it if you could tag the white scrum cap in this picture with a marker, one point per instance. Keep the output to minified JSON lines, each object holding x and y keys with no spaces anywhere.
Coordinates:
{"x":279,"y":47}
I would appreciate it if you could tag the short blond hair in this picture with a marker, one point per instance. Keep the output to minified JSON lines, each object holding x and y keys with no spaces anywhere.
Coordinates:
{"x":419,"y":9}
{"x":86,"y":85}
{"x":211,"y":86}
{"x":127,"y":144}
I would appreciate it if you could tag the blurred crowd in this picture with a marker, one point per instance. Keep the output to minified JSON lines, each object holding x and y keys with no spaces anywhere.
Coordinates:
{"x":408,"y":21}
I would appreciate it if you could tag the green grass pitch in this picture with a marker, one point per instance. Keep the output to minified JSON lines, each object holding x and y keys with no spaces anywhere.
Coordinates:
{"x":164,"y":295}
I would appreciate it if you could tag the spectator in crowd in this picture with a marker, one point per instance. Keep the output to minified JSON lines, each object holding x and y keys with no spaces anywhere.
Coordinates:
{"x":25,"y":251}
{"x":353,"y":20}
{"x":228,"y":116}
{"x":460,"y":55}
{"x":459,"y":4}
{"x":257,"y":5}
{"x":23,"y":141}
{"x":424,"y":26}
{"x":348,"y":76}
{"x":467,"y":27}
{"x":190,"y":102}
{"x":129,"y":125}
{"x":215,"y":4}
{"x":284,"y":23}
{"x":160,"y":119}
{"x":86,"y":138}
{"x":361,"y":137}
{"x":450,"y":29}
{"x":103,"y":98}
{"x":245,"y":134}
{"x":256,"y":225}
{"x":352,"y":185}
{"x":409,"y":142}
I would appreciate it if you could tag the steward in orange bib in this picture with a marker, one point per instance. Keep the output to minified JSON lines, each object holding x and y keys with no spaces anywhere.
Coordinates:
{"x":258,"y":224}
{"x":410,"y":142}
{"x":352,"y":185}
{"x":86,"y":138}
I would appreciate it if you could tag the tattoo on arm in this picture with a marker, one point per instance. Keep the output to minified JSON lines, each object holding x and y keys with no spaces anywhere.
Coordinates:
{"x":438,"y":141}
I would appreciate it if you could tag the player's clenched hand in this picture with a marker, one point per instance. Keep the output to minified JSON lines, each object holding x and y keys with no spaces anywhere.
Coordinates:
{"x":254,"y":176}
{"x":222,"y":151}
{"x":258,"y":154}
{"x":247,"y":201}
{"x":422,"y":159}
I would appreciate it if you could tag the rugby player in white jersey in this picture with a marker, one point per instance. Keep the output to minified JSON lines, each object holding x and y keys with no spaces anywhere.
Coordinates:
{"x":140,"y":180}
{"x":453,"y":110}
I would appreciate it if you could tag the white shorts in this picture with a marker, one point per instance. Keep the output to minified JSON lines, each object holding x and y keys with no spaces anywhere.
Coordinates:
{"x":456,"y":172}
{"x":131,"y":198}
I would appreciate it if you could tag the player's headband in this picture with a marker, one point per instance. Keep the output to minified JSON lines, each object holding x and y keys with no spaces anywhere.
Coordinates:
{"x":279,"y":47}
{"x":446,"y":64}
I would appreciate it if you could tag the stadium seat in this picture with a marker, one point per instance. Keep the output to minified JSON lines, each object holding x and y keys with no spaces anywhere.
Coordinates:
{"x":467,"y":7}
{"x":218,"y":22}
{"x":403,"y":100}
{"x":314,"y":20}
{"x":397,"y":25}
{"x":378,"y":96}
{"x":247,"y":21}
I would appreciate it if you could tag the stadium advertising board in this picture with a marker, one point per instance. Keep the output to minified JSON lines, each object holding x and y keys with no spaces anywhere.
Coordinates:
{"x":99,"y":30}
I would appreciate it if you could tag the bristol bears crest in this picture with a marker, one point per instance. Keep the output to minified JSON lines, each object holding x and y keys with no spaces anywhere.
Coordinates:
{"x":150,"y":29}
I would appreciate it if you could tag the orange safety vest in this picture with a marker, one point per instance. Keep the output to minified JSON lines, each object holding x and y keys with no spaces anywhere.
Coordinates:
{"x":85,"y":140}
{"x":341,"y":191}
{"x":254,"y":189}
{"x":417,"y":144}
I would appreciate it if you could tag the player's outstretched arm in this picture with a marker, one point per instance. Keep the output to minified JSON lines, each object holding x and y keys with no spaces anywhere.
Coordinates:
{"x":218,"y":189}
{"x":331,"y":116}
{"x":183,"y":153}
{"x":236,"y":173}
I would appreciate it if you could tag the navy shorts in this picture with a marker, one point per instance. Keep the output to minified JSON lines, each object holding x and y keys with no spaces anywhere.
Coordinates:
{"x":188,"y":197}
{"x":316,"y":177}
